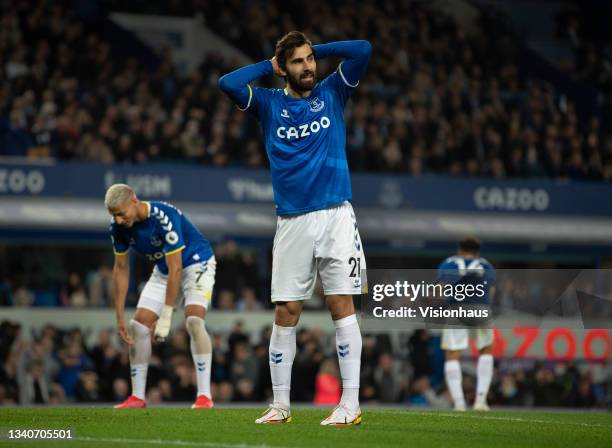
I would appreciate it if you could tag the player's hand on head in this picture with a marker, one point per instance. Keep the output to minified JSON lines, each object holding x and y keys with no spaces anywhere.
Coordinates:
{"x":124,"y":332}
{"x":276,"y":67}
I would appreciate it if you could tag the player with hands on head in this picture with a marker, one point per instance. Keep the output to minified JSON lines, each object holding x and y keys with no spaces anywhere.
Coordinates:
{"x":305,"y":138}
{"x":184,"y":267}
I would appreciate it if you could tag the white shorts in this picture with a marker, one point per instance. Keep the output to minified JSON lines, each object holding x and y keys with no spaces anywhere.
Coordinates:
{"x":324,"y":241}
{"x":196,"y":287}
{"x":457,"y":339}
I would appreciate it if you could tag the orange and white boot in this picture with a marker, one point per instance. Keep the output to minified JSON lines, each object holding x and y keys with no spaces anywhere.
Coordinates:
{"x":202,"y":402}
{"x":132,"y":402}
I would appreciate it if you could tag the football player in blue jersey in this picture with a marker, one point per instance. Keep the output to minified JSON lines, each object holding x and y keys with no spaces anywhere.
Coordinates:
{"x":305,"y":138}
{"x":184,"y":267}
{"x":468,"y":267}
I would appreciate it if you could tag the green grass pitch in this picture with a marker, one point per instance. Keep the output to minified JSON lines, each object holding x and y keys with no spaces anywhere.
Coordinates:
{"x":234,"y":428}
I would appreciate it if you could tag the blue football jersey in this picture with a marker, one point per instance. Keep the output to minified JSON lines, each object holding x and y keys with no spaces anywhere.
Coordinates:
{"x":463,"y":270}
{"x":305,"y":139}
{"x":165,"y":231}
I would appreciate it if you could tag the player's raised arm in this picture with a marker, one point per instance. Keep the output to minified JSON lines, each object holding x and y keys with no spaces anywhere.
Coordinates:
{"x":356,"y":55}
{"x":121,"y":278}
{"x":236,"y":84}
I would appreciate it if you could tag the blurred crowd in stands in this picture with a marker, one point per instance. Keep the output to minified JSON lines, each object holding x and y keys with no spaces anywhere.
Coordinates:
{"x":437,"y":98}
{"x":78,"y":278}
{"x":56,"y":366}
{"x":584,"y":27}
{"x":32,"y":276}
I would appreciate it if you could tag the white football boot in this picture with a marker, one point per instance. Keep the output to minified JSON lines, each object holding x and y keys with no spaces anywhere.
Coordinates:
{"x":276,"y":413}
{"x":481,"y":406}
{"x":343,"y":416}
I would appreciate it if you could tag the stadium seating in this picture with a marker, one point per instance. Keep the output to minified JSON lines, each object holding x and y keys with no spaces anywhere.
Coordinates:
{"x":437,"y":97}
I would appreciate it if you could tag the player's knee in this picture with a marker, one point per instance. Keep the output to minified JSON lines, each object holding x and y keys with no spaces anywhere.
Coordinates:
{"x":486,"y":350}
{"x":287,"y":314}
{"x":138,"y":329}
{"x":340,"y":306}
{"x":194,"y":325}
{"x":145,"y":317}
{"x":195,"y":310}
{"x":453,"y":355}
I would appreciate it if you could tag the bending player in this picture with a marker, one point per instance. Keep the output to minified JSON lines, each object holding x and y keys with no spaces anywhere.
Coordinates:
{"x":305,"y":138}
{"x":468,"y":267}
{"x":184,"y":264}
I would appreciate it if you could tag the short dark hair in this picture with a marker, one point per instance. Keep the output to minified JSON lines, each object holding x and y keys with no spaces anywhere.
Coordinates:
{"x":287,"y":44}
{"x":470,"y":245}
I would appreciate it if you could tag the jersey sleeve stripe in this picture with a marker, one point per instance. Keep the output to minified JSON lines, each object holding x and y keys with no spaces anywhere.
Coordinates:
{"x":344,"y":79}
{"x":175,"y":250}
{"x":121,"y":253}
{"x":250,"y":98}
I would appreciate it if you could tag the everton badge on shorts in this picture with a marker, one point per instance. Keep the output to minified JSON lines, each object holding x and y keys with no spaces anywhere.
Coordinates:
{"x":156,"y":241}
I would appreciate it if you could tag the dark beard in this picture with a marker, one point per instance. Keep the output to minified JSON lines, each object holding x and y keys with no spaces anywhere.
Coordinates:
{"x":298,"y":85}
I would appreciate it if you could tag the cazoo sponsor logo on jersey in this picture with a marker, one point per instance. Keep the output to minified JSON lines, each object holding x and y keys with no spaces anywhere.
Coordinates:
{"x":303,"y":130}
{"x":155,"y":256}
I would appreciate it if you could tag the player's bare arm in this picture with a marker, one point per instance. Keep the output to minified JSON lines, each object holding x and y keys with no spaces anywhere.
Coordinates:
{"x":121,"y":275}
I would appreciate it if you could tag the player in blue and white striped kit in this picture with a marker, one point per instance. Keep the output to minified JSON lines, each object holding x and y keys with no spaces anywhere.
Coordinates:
{"x":184,"y":267}
{"x":305,"y":138}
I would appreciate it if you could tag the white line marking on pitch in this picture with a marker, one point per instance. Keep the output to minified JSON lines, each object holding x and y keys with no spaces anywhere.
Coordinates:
{"x":508,"y":419}
{"x":171,"y":442}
